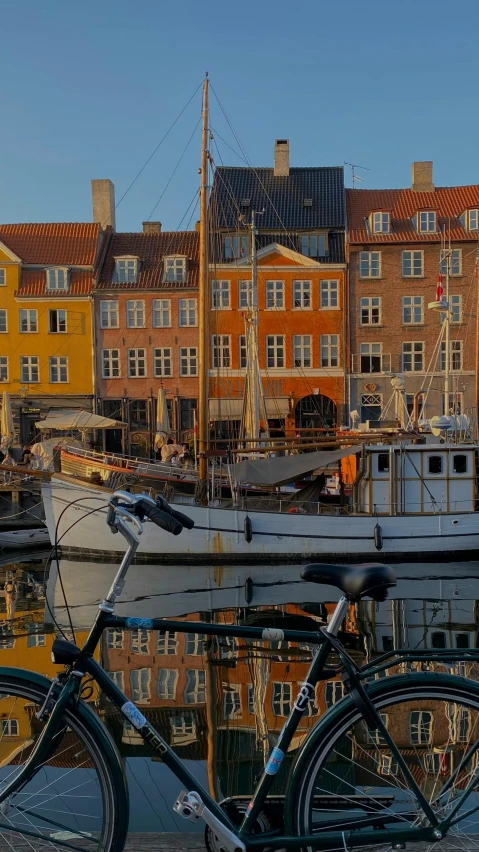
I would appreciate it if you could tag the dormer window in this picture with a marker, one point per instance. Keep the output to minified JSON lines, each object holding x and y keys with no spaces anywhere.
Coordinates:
{"x":314,"y":245}
{"x":381,"y":222}
{"x":427,"y":221}
{"x":236,"y":247}
{"x":175,"y":270}
{"x":57,"y":278}
{"x":471,"y":220}
{"x":126,"y":270}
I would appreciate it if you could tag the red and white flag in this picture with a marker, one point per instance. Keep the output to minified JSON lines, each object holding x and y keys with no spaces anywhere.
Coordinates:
{"x":439,"y":289}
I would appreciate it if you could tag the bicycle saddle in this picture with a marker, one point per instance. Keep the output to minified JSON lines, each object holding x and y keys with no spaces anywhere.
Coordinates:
{"x":356,"y":581}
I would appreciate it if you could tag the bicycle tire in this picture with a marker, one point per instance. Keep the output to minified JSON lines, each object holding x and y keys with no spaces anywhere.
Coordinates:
{"x":317,"y":766}
{"x":85,"y":765}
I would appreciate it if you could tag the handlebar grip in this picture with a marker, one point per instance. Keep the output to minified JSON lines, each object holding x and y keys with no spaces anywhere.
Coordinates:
{"x":184,"y":520}
{"x":161,"y":519}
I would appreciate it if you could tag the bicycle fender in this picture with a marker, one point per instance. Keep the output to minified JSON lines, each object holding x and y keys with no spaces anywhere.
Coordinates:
{"x":319,"y":732}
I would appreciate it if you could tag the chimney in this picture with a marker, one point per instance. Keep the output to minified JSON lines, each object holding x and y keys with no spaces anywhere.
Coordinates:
{"x":151,"y":227}
{"x":281,"y":158}
{"x":103,"y":198}
{"x":422,"y":177}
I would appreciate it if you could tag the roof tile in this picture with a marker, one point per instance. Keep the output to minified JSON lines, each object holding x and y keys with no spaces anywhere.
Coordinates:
{"x":150,"y":249}
{"x":33,"y":283}
{"x":53,"y":244}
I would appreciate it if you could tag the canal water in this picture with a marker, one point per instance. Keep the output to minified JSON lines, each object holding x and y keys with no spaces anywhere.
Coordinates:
{"x":221,"y":703}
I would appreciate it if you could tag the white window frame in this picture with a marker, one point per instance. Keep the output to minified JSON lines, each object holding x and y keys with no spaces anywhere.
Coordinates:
{"x":417,"y":348}
{"x":182,"y":728}
{"x":370,"y":264}
{"x":333,"y":692}
{"x":9,"y":728}
{"x":302,"y":295}
{"x":29,"y":317}
{"x":162,"y":362}
{"x":187,"y":313}
{"x":242,"y":353}
{"x":314,"y":245}
{"x":110,"y":364}
{"x":58,"y":369}
{"x":387,"y":764}
{"x":135,"y":313}
{"x":275,"y":354}
{"x":410,"y":307}
{"x":221,"y":351}
{"x":456,"y":356}
{"x":374,"y":735}
{"x":3,"y":321}
{"x":453,"y":259}
{"x":175,"y":270}
{"x":231,"y":700}
{"x":281,"y":698}
{"x":427,"y":221}
{"x":246,"y":297}
{"x":140,"y":685}
{"x":411,"y":259}
{"x":114,"y":638}
{"x":61,"y":319}
{"x":235,"y":247}
{"x":57,"y":278}
{"x":139,"y":641}
{"x":455,"y":307}
{"x":166,"y":684}
{"x":29,"y":364}
{"x":167,"y":643}
{"x":161,"y":313}
{"x":188,"y":356}
{"x":126,"y":270}
{"x":274,"y":295}
{"x":109,"y":313}
{"x":195,"y":687}
{"x":418,"y":738}
{"x":3,"y":277}
{"x":329,"y":294}
{"x":381,"y":222}
{"x":136,"y":363}
{"x":472,"y":214}
{"x":220,"y":294}
{"x":194,"y":644}
{"x":370,"y":310}
{"x":329,"y":344}
{"x":302,"y":350}
{"x":3,"y":368}
{"x":118,"y":678}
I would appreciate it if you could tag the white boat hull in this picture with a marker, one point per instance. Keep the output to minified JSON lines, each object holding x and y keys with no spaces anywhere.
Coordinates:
{"x":12,"y":539}
{"x":218,"y":535}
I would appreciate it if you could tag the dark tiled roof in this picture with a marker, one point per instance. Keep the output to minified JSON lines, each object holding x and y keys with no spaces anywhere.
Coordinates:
{"x":150,"y":249}
{"x":33,"y":283}
{"x":448,"y":201}
{"x":53,"y":244}
{"x":282,"y":198}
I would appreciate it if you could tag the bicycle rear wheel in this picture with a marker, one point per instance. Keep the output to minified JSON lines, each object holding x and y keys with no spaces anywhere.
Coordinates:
{"x":77,"y":799}
{"x":349,"y":773}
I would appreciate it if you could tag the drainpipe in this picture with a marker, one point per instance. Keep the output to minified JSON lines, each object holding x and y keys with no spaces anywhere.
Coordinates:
{"x":359,"y":478}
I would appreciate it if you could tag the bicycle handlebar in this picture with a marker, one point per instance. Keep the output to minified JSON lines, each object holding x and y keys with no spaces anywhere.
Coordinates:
{"x":141,"y":506}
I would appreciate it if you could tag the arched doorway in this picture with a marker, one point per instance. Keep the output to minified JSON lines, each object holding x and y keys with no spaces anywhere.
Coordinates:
{"x":315,"y":411}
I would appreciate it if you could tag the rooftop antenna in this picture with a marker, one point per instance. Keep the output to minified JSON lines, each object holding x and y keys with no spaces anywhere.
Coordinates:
{"x":354,"y":176}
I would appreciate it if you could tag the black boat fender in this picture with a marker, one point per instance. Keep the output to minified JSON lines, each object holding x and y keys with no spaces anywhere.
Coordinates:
{"x":248,"y":529}
{"x":378,"y":537}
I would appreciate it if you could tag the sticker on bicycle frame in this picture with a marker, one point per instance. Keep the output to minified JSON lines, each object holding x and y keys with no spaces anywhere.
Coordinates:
{"x":147,"y":623}
{"x":273,"y":634}
{"x":274,"y":762}
{"x":304,"y":696}
{"x":133,"y":715}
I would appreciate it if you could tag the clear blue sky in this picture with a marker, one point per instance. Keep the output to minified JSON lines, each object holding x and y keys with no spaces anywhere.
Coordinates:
{"x":89,"y":88}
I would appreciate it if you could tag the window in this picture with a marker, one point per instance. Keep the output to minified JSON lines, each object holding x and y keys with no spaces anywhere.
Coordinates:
{"x":109,"y":315}
{"x":370,"y":357}
{"x":375,"y":736}
{"x":462,"y":639}
{"x":381,"y":223}
{"x":370,"y":310}
{"x":435,"y":763}
{"x":138,"y":414}
{"x":118,"y":679}
{"x":371,"y":406}
{"x":412,"y":310}
{"x":140,"y":686}
{"x":136,"y":363}
{"x":412,"y":264}
{"x":420,"y":727}
{"x":35,"y":638}
{"x":187,"y":312}
{"x":251,"y":696}
{"x":3,"y":368}
{"x":29,"y":369}
{"x":247,"y":299}
{"x":220,"y":295}
{"x":166,"y":686}
{"x":227,"y":645}
{"x":329,"y":350}
{"x":162,"y":362}
{"x":438,"y":639}
{"x":188,"y":361}
{"x":183,"y":729}
{"x":7,"y":640}
{"x":167,"y":643}
{"x":434,"y":464}
{"x":9,"y":728}
{"x":301,"y":293}
{"x":110,"y":363}
{"x":329,"y":294}
{"x":459,"y":464}
{"x":427,"y":221}
{"x":3,"y":322}
{"x":242,"y":351}
{"x":114,"y":638}
{"x":58,"y":369}
{"x":236,"y":247}
{"x":57,"y":322}
{"x":388,"y":643}
{"x":313,"y":245}
{"x":455,"y":362}
{"x":454,"y":403}
{"x":187,"y":416}
{"x":175,"y":270}
{"x":161,"y":313}
{"x":387,"y":764}
{"x":195,"y":689}
{"x":3,"y":277}
{"x":383,"y":462}
{"x":369,"y":264}
{"x":57,"y":279}
{"x":221,"y":350}
{"x":126,"y":270}
{"x":135,"y":313}
{"x":413,"y":357}
{"x":231,"y":700}
{"x":452,"y":259}
{"x":455,"y":307}
{"x":302,"y":350}
{"x":333,"y":692}
{"x":28,"y":321}
{"x":274,"y":350}
{"x":282,"y":699}
{"x":139,"y":641}
{"x":472,"y":219}
{"x":194,"y":644}
{"x":274,"y":294}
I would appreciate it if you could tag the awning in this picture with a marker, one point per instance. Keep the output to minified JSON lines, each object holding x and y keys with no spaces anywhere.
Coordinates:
{"x":64,"y":420}
{"x":224,"y":408}
{"x":279,"y":471}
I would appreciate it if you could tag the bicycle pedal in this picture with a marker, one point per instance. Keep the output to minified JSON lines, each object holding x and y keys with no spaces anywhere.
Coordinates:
{"x":191,"y":807}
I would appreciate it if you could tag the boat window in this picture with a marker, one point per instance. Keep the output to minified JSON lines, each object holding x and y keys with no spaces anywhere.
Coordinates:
{"x":383,"y":462}
{"x":435,"y":464}
{"x":459,"y":464}
{"x":438,"y":639}
{"x":462,"y":640}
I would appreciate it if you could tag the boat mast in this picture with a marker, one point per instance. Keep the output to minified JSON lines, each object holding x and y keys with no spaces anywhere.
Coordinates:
{"x":202,"y":492}
{"x":447,"y":330}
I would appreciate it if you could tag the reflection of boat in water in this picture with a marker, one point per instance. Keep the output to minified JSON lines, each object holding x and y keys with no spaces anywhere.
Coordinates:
{"x":26,"y":537}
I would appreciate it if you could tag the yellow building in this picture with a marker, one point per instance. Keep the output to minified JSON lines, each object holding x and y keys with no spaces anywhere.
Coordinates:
{"x":47,"y":273}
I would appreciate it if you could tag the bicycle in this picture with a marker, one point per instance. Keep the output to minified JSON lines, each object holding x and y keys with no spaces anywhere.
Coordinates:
{"x":356,"y":781}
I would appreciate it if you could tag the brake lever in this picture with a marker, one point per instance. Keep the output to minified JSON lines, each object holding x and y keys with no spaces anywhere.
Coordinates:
{"x":126,"y":515}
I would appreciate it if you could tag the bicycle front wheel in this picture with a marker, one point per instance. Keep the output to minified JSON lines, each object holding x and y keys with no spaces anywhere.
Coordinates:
{"x":349,"y":778}
{"x":77,"y":799}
